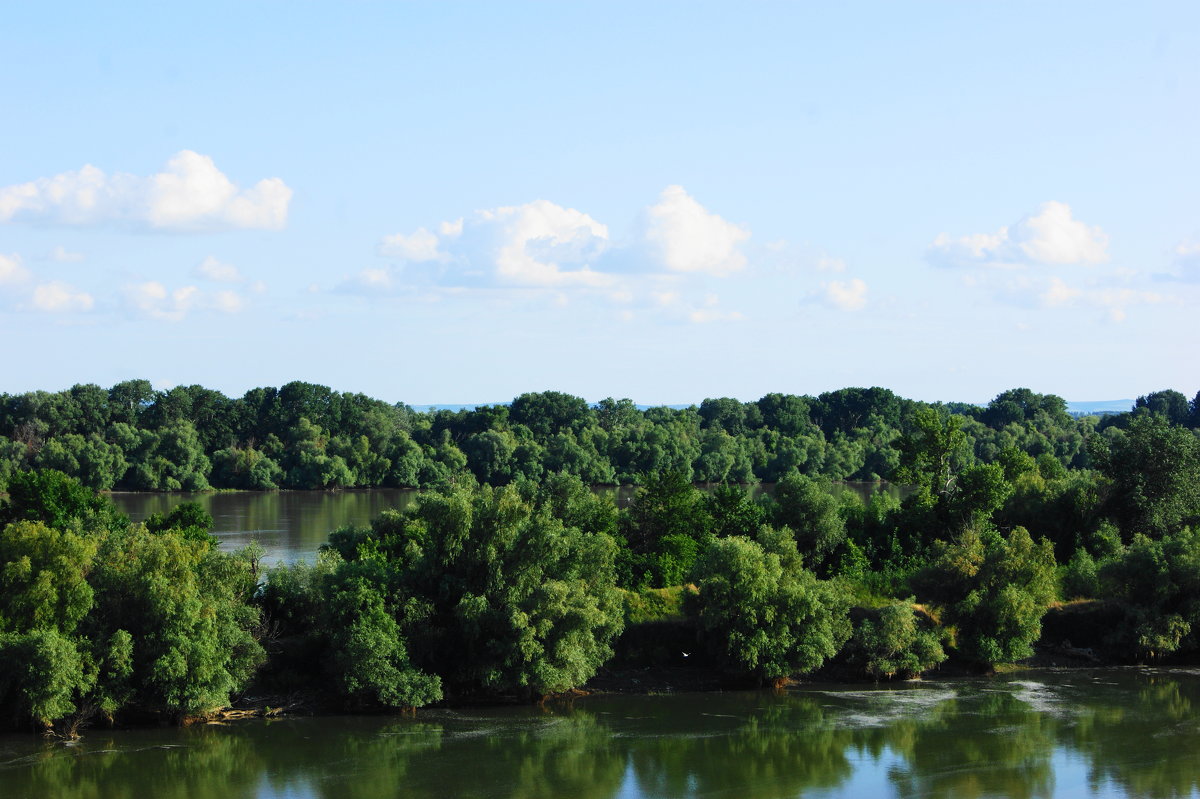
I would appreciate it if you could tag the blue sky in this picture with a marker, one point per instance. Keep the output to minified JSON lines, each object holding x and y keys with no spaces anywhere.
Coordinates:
{"x":459,"y":202}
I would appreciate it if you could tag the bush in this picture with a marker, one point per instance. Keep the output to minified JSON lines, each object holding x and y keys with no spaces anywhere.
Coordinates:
{"x":995,"y":590}
{"x":1158,"y":585}
{"x":889,"y":642}
{"x":761,"y":614}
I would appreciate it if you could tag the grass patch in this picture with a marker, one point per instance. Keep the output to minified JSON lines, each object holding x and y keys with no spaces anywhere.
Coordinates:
{"x":657,"y":604}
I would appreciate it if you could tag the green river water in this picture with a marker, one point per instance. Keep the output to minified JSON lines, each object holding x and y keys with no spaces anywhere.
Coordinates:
{"x":1103,"y":733}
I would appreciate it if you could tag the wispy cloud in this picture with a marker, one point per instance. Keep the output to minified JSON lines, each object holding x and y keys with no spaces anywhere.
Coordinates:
{"x":218,"y":271}
{"x":154,"y":300}
{"x":59,"y":297}
{"x":12,"y":272}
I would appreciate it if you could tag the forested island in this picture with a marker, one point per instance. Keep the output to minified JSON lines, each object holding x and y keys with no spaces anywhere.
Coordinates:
{"x":306,"y":436}
{"x":510,"y":578}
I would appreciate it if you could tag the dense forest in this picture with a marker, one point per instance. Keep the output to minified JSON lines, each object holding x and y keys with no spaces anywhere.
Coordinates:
{"x":305,"y":436}
{"x":511,"y":578}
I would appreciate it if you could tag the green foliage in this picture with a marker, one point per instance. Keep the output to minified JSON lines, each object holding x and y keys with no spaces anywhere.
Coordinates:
{"x":517,"y":601}
{"x":928,"y":453}
{"x":1155,"y":474}
{"x":666,"y":524}
{"x":761,"y":613}
{"x":1158,"y":584}
{"x":891,"y":641}
{"x":189,"y":518}
{"x":1080,"y":577}
{"x":734,"y":511}
{"x":980,"y":491}
{"x":807,"y":507}
{"x":368,"y":657}
{"x":60,"y":501}
{"x":184,"y":606}
{"x":303,"y":435}
{"x":485,"y":590}
{"x":42,"y":672}
{"x":994,"y":589}
{"x":97,"y":464}
{"x":43,"y":577}
{"x":98,"y":616}
{"x":246,"y":468}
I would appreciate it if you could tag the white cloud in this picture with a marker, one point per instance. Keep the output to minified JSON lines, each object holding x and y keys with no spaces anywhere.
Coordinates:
{"x":63,"y":256}
{"x":190,"y":194}
{"x":533,"y":244}
{"x":12,"y":273}
{"x":421,"y":245}
{"x":1059,"y":293}
{"x":545,"y":245}
{"x":686,"y":237}
{"x":827,"y":264}
{"x":1115,"y":302}
{"x":1052,"y":236}
{"x":228,"y":301}
{"x":59,"y":297}
{"x":538,"y":244}
{"x":217,"y":271}
{"x":154,"y":300}
{"x":846,"y":296}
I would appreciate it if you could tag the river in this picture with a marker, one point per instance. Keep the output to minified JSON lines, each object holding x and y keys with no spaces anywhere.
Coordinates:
{"x":1104,"y":733}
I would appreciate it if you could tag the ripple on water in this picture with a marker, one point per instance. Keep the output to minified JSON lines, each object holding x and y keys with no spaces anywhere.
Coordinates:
{"x":885,"y":706}
{"x":1039,"y":696}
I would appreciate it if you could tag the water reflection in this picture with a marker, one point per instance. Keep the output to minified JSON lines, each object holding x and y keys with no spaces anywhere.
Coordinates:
{"x":1101,"y":733}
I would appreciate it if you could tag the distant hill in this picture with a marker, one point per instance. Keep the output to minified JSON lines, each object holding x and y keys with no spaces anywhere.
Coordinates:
{"x":1095,"y":407}
{"x":1099,"y":407}
{"x":470,"y":407}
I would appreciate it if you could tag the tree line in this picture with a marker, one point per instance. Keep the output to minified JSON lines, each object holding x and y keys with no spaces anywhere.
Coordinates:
{"x":529,"y":588}
{"x":306,"y":436}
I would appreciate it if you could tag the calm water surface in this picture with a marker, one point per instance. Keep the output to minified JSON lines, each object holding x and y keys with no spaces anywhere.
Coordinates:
{"x":1112,"y":733}
{"x":291,"y":525}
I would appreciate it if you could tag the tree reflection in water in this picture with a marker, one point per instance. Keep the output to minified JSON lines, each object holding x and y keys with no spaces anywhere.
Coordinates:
{"x":1131,"y":731}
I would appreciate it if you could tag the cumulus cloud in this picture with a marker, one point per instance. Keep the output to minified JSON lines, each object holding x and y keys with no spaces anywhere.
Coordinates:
{"x":1052,"y":236}
{"x":687,"y":238}
{"x":12,"y":273}
{"x":538,"y":244}
{"x":217,"y":271}
{"x":545,"y":245}
{"x":675,"y":246}
{"x":190,"y":194}
{"x":59,"y":297}
{"x":155,"y":300}
{"x":850,"y":295}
